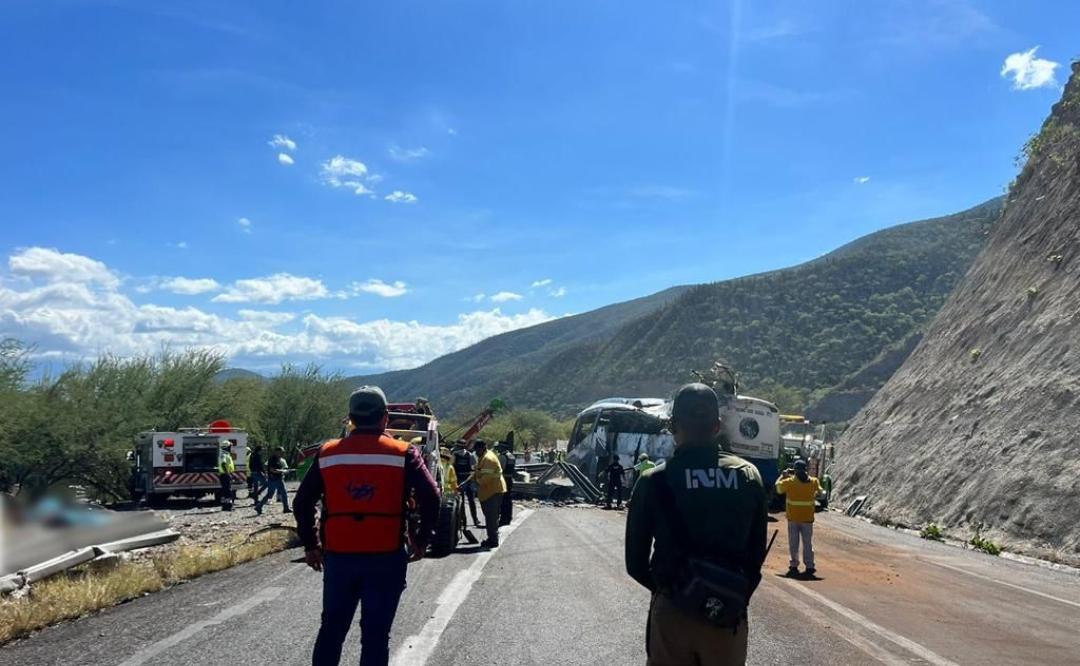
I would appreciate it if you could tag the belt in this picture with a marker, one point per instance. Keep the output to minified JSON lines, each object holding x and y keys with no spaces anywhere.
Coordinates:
{"x":800,"y":502}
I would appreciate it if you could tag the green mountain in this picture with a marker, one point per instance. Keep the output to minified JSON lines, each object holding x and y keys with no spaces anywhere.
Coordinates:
{"x":492,"y":368}
{"x":236,"y":373}
{"x":792,"y":334}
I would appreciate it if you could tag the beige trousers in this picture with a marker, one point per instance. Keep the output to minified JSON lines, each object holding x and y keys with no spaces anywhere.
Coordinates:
{"x":678,"y":638}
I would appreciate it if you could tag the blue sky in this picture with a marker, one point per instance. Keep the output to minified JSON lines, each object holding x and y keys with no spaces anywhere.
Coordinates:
{"x":353,"y":183}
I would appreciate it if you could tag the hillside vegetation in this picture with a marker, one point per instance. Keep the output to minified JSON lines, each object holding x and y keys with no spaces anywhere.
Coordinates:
{"x":792,"y":334}
{"x":76,"y":428}
{"x":469,"y":378}
{"x":976,"y":432}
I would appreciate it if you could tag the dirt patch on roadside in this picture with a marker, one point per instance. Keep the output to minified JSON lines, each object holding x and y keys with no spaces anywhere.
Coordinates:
{"x":204,"y":523}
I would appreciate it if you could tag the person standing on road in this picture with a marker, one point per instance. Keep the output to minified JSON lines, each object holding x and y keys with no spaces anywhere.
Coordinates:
{"x":702,"y":516}
{"x":801,"y":491}
{"x":615,"y":472}
{"x":509,"y":465}
{"x":364,"y":480}
{"x":226,"y":467}
{"x":446,"y":461}
{"x":491,"y":488}
{"x":256,"y":473}
{"x":464,"y":463}
{"x":275,"y":481}
{"x":643,"y":465}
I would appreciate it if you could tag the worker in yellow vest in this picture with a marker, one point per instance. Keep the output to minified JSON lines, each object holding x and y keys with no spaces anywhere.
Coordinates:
{"x":490,"y":490}
{"x":446,"y":460}
{"x":226,"y":467}
{"x":801,"y":491}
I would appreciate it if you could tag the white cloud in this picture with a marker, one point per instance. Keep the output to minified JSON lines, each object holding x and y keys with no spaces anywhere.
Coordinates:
{"x":862,"y":180}
{"x":504,"y":296}
{"x":266,"y":317}
{"x":340,"y":166}
{"x":542,"y":283}
{"x":1029,"y":72}
{"x":182,"y":245}
{"x":397,"y":196}
{"x":273,"y":289}
{"x":558,"y":293}
{"x":50,"y":265}
{"x":245,"y":225}
{"x":282,"y":142}
{"x":356,"y":186}
{"x":408,"y":344}
{"x":189,"y":286}
{"x":286,"y":159}
{"x":72,"y":319}
{"x":476,"y":298}
{"x":347,"y":173}
{"x":408,"y":154}
{"x":380,"y":288}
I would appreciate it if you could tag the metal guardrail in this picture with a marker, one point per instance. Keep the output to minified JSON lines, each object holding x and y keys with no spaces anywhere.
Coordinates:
{"x":74,"y":558}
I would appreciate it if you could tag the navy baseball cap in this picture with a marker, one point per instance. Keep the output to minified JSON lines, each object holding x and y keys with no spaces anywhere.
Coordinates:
{"x":695,"y":403}
{"x":367,"y":403}
{"x":800,"y":464}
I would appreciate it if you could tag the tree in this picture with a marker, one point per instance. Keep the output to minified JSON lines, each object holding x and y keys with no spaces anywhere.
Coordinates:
{"x":302,"y":406}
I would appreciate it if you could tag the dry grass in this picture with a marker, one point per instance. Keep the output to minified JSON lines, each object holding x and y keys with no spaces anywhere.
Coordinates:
{"x":85,"y":590}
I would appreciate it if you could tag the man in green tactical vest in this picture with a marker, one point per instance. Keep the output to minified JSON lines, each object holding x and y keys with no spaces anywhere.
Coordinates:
{"x":702,"y":516}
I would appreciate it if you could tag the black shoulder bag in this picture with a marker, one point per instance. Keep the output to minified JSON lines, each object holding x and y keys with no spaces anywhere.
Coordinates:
{"x":714,"y":592}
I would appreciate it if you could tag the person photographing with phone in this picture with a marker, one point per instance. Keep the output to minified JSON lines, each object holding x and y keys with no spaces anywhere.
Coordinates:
{"x":702,"y":516}
{"x":364,"y":481}
{"x":800,"y":490}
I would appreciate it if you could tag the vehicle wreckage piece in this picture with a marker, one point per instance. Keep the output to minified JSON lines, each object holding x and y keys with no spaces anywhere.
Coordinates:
{"x":557,"y":482}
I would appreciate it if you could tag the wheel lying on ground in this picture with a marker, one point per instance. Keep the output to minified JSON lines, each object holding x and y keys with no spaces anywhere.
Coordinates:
{"x":446,"y":528}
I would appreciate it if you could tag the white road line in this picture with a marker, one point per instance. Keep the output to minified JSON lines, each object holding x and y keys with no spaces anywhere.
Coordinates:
{"x":849,"y":635}
{"x":1006,"y":583}
{"x":148,"y":653}
{"x":921,"y":651}
{"x":417,"y":649}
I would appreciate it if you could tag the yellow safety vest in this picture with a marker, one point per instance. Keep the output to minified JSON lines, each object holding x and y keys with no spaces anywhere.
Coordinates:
{"x":801,"y":497}
{"x":226,"y":464}
{"x":489,"y":476}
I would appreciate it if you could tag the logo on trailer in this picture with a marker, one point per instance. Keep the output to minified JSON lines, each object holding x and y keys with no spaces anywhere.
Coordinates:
{"x":749,"y":428}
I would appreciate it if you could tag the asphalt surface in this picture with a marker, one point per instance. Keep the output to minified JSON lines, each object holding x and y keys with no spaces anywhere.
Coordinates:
{"x":556,"y":593}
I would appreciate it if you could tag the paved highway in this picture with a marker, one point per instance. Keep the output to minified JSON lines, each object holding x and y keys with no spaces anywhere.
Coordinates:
{"x":556,"y":593}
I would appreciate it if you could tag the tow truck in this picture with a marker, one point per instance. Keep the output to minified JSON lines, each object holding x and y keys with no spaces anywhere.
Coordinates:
{"x":799,"y":441}
{"x":416,"y":424}
{"x":184,"y":462}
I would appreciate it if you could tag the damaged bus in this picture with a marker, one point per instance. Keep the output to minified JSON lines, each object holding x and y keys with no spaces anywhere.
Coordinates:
{"x":624,"y":428}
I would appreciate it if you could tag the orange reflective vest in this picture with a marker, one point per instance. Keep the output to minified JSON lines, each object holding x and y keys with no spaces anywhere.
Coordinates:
{"x":364,"y":489}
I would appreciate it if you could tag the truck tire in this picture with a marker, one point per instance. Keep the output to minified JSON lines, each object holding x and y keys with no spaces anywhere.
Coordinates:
{"x":446,"y":528}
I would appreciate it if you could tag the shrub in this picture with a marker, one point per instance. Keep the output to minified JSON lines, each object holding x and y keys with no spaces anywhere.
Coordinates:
{"x":932,"y":532}
{"x":985,"y":545}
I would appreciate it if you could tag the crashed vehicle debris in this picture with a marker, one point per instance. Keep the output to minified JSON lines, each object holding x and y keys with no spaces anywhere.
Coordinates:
{"x":624,"y":428}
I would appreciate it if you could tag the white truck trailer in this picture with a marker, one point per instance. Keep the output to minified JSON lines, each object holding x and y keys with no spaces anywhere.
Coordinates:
{"x":185,"y":463}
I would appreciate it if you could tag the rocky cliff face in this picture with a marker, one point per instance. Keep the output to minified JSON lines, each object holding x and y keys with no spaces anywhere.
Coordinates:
{"x":981,"y":425}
